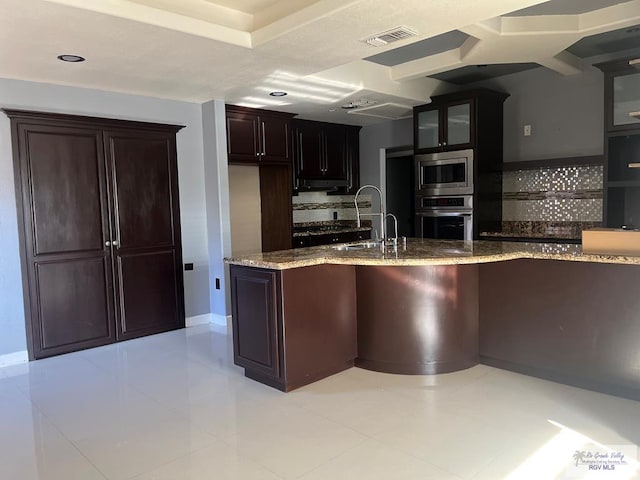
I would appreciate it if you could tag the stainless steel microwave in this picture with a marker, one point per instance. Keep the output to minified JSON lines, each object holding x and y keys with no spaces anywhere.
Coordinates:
{"x":445,"y":173}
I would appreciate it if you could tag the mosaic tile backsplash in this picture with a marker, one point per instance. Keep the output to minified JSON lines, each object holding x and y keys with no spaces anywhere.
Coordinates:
{"x":317,"y":207}
{"x":557,"y":200}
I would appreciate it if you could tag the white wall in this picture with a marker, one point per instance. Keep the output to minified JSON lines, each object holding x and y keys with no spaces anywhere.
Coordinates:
{"x":17,"y":94}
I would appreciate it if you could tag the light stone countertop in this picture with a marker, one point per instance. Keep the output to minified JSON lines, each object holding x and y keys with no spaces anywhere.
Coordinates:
{"x":426,"y":252}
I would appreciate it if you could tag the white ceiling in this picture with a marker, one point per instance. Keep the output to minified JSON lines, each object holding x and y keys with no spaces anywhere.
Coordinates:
{"x":239,"y":50}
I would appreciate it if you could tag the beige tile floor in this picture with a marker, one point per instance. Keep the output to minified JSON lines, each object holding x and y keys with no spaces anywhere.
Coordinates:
{"x":173,"y":406}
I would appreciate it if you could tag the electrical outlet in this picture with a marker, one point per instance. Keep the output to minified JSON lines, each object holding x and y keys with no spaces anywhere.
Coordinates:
{"x":335,"y":215}
{"x":527,"y":130}
{"x":188,"y":266}
{"x":217,"y":284}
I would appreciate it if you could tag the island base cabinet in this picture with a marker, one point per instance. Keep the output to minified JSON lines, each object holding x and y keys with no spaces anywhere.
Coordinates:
{"x":417,"y":319}
{"x":570,"y":322}
{"x":257,"y":326}
{"x":313,"y":308}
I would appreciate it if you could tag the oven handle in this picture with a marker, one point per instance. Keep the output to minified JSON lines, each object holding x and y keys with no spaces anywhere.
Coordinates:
{"x":440,"y":213}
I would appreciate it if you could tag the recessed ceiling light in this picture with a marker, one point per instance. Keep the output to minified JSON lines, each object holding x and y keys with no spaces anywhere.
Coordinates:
{"x":278,"y":94}
{"x":332,"y":109}
{"x":71,"y":58}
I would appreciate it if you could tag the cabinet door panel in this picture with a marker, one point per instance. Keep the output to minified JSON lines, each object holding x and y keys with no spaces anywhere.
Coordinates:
{"x":147,"y":225}
{"x":60,"y":174}
{"x":335,"y":149}
{"x":74,"y":304}
{"x":242,"y":137}
{"x":428,"y":129}
{"x":148,"y":296}
{"x":458,"y":125}
{"x":309,"y":144}
{"x":274,"y":138}
{"x":626,"y":99}
{"x":65,"y":184}
{"x":142,"y":180}
{"x":254,"y":295}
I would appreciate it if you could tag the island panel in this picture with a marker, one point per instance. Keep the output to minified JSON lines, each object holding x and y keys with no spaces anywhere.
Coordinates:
{"x":319,"y":322}
{"x":417,"y":320}
{"x":575,"y":323}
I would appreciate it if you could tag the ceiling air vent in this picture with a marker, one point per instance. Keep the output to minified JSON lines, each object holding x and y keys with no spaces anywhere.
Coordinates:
{"x":390,"y":36}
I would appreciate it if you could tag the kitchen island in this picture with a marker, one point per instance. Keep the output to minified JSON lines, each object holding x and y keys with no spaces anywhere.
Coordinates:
{"x":439,"y":306}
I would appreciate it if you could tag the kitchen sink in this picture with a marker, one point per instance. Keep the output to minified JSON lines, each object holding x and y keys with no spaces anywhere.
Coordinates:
{"x":357,"y":246}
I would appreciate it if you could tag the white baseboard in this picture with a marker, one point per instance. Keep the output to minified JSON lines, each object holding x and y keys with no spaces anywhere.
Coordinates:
{"x":222,"y":320}
{"x":198,"y":320}
{"x":14,"y":358}
{"x":207,"y":318}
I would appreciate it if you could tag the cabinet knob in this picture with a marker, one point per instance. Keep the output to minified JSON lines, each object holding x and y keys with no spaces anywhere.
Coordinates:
{"x":444,"y":144}
{"x":107,"y":244}
{"x":115,"y":243}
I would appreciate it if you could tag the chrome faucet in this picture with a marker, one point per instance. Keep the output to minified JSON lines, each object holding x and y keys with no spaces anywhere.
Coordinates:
{"x":382,"y":213}
{"x":383,"y":216}
{"x":395,"y":224}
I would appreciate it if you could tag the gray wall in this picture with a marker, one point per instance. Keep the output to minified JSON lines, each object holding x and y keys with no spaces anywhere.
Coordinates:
{"x":43,"y":97}
{"x":396,"y":133}
{"x":565,"y":113}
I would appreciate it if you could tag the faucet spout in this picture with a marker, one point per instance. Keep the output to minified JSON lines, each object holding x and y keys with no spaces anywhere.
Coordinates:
{"x":382,"y":213}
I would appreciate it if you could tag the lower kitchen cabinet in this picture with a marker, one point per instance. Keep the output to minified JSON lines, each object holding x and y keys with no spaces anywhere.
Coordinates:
{"x":322,"y":327}
{"x":329,"y":238}
{"x":257,"y":329}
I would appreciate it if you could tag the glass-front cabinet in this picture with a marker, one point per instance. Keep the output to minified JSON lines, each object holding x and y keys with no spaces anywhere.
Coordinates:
{"x":626,"y":99}
{"x":443,"y":126}
{"x":622,"y":143}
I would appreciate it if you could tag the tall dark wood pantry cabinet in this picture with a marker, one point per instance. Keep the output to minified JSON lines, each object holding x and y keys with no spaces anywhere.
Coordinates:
{"x":100,"y":229}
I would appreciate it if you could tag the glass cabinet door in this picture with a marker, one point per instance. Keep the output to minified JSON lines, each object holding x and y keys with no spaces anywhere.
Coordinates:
{"x":428,"y":129}
{"x":626,"y":99}
{"x":458,"y":124}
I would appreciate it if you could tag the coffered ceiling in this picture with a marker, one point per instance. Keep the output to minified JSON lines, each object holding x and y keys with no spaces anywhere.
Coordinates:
{"x":240,"y":50}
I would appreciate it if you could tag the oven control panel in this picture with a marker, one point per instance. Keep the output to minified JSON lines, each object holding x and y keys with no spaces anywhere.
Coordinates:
{"x":458,"y":202}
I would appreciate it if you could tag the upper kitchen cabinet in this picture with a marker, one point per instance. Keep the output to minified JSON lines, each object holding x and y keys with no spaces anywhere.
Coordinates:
{"x":309,"y":142}
{"x":451,"y":122}
{"x":258,"y":136}
{"x":622,"y":94}
{"x":326,"y":156}
{"x":622,"y":143}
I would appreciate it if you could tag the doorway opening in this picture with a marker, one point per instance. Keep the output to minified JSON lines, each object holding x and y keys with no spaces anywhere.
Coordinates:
{"x":400,"y":187}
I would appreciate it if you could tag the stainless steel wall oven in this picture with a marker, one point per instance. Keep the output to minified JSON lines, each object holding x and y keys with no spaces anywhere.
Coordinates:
{"x":445,"y":217}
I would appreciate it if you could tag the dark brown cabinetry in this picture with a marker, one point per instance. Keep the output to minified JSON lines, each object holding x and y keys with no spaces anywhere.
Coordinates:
{"x":257,"y":326}
{"x":262,"y":137}
{"x":468,"y":127}
{"x":321,"y":335}
{"x":621,"y":144}
{"x":99,"y":227}
{"x":444,"y":125}
{"x":325,"y":156}
{"x":257,"y":136}
{"x":458,"y":121}
{"x":301,"y":241}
